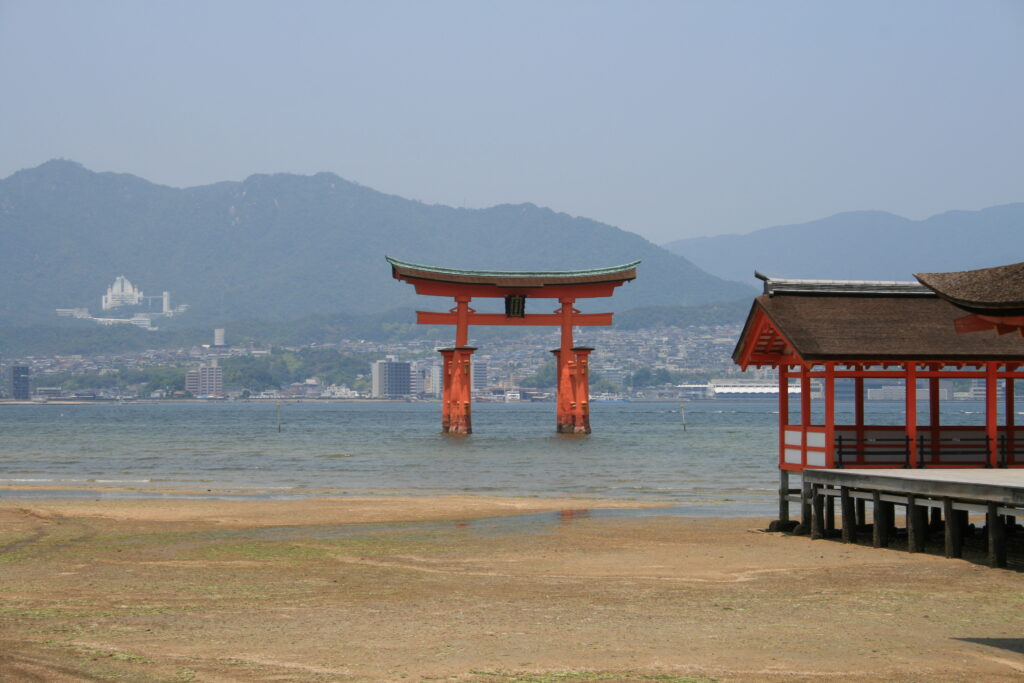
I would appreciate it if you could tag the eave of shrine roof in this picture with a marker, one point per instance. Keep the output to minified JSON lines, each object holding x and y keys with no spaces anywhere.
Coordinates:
{"x":994,"y":291}
{"x":773,"y":286}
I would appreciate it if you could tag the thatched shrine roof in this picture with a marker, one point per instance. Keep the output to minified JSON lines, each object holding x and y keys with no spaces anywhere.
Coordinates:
{"x":992,"y":291}
{"x":859,"y":322}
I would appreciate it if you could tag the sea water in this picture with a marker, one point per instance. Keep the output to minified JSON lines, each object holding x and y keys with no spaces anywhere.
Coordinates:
{"x":721,"y":458}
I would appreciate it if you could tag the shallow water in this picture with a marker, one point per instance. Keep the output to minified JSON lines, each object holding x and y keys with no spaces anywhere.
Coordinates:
{"x":722,"y":463}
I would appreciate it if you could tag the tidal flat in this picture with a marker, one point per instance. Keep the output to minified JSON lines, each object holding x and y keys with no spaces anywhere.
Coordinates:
{"x":474,"y":588}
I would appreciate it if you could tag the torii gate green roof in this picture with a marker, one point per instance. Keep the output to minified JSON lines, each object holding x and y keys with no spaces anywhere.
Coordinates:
{"x":403,"y":269}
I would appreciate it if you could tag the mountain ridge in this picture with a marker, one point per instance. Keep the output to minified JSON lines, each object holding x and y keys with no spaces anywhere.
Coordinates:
{"x":865,"y":245}
{"x":281,"y":245}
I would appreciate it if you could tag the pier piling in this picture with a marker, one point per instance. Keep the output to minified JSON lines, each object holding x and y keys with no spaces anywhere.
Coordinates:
{"x":818,"y":514}
{"x":953,"y":529}
{"x":846,"y":504}
{"x":996,"y":537}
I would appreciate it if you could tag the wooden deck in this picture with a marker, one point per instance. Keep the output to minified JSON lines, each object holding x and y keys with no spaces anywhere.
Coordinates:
{"x":1004,"y":486}
{"x":933,"y":499}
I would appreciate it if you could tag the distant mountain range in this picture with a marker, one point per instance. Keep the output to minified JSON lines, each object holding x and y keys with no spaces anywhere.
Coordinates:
{"x":865,"y":245}
{"x":283,"y":246}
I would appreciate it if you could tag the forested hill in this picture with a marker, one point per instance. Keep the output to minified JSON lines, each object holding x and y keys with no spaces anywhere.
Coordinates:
{"x":866,"y":245}
{"x":67,"y":337}
{"x":284,"y":246}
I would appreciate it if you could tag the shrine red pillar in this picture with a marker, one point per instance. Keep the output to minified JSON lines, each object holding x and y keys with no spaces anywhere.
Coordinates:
{"x":581,"y":389}
{"x":805,"y":413}
{"x":783,"y":411}
{"x":458,"y":406}
{"x":1011,"y":418}
{"x":805,"y":396}
{"x":457,"y":392}
{"x":783,"y":423}
{"x":934,"y":418}
{"x":910,"y":408}
{"x":830,"y":414}
{"x":446,"y":389}
{"x":858,"y":412}
{"x":565,"y":359}
{"x":564,"y":393}
{"x":462,"y":311}
{"x":992,"y":412}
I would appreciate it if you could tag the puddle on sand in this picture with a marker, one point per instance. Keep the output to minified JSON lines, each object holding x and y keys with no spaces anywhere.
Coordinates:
{"x":541,"y":522}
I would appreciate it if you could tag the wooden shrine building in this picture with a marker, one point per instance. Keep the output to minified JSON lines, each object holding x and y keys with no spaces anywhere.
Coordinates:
{"x":831,"y":337}
{"x":517,"y":289}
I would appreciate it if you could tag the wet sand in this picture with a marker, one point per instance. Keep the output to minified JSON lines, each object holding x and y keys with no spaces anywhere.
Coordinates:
{"x":418,"y":588}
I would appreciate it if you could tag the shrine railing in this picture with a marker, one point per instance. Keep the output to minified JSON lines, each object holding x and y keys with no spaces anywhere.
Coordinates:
{"x":958,"y":446}
{"x":889,"y":446}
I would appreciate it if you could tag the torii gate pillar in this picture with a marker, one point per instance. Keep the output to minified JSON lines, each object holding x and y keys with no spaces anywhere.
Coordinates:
{"x":573,"y":399}
{"x":457,"y":390}
{"x":572,"y":414}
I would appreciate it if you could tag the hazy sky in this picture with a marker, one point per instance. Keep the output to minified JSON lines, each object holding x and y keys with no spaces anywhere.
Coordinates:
{"x":670,"y":119}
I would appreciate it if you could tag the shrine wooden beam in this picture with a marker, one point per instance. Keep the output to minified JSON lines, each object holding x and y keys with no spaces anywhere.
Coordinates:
{"x":553,"y":319}
{"x":577,"y":291}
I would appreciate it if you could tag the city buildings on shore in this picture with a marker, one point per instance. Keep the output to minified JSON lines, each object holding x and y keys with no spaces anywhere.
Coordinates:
{"x":20,"y":386}
{"x":685,"y":364}
{"x":391,"y":378}
{"x":207,"y":380}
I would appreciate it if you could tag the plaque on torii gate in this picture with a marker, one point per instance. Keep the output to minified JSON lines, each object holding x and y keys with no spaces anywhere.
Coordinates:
{"x":516,"y":288}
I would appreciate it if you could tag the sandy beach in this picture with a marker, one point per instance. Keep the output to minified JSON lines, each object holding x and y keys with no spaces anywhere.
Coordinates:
{"x":456,"y":588}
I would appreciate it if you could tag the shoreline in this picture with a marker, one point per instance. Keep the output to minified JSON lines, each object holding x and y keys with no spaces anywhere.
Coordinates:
{"x":314,"y":510}
{"x":297,"y":491}
{"x":497,"y":504}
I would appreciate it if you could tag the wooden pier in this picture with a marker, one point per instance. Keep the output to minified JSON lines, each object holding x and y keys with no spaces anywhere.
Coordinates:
{"x":932,"y":500}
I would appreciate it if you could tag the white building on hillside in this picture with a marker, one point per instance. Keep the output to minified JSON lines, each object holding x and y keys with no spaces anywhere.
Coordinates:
{"x":121,"y":293}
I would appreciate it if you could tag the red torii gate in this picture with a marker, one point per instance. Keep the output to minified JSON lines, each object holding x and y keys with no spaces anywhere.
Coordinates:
{"x":515,"y":287}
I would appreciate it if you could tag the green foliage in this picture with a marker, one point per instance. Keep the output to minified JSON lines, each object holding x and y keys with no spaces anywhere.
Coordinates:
{"x":544,"y":377}
{"x":71,"y":382}
{"x":88,"y":338}
{"x":389,"y":325}
{"x":649,"y":377}
{"x":255,"y":373}
{"x":258,"y":373}
{"x":158,"y":378}
{"x":600,"y":385}
{"x":149,"y":379}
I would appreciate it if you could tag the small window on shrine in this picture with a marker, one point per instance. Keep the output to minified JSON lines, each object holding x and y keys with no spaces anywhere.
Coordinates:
{"x":515,"y":306}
